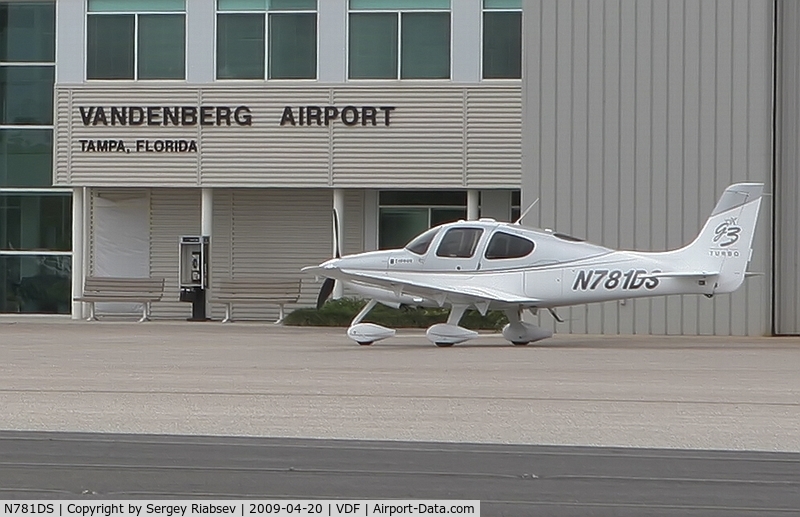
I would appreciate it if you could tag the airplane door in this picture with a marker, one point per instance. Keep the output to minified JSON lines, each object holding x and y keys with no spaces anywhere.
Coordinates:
{"x":459,"y":249}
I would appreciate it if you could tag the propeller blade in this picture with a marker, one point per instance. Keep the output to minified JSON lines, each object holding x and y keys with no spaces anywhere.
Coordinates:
{"x":325,"y":292}
{"x":337,"y":246}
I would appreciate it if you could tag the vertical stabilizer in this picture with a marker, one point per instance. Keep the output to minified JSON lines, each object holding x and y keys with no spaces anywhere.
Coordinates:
{"x":724,"y":243}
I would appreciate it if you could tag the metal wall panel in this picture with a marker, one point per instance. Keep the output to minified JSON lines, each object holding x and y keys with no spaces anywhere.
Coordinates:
{"x":121,"y":168}
{"x":424,"y":146}
{"x":276,"y":232}
{"x":637,"y":115}
{"x":787,"y":188}
{"x":441,"y":136}
{"x":173,"y":212}
{"x":493,"y":141}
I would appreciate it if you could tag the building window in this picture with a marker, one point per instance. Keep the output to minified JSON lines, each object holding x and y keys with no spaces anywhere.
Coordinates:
{"x":27,"y":32}
{"x":26,"y":157}
{"x":35,"y":219}
{"x":276,"y":39}
{"x":406,"y":39}
{"x":136,"y":39}
{"x":402,"y":215}
{"x":502,"y":39}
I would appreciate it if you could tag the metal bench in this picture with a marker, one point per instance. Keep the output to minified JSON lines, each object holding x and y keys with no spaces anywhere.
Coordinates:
{"x":255,"y":290}
{"x":115,"y":289}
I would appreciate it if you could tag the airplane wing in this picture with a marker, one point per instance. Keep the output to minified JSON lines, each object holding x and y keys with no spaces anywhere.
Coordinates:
{"x":423,"y":285}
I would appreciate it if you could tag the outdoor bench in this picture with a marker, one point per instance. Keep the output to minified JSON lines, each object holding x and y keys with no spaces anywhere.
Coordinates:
{"x":117,"y":289}
{"x":255,"y":290}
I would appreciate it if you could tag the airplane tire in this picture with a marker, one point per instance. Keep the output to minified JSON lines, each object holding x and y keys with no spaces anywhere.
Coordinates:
{"x":520,"y":343}
{"x":443,"y":345}
{"x":365,"y":343}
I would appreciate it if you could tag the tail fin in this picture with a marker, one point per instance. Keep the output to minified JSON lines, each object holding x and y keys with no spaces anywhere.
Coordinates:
{"x":724,"y":244}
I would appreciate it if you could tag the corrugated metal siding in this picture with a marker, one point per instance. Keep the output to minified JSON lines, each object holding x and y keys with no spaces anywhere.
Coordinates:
{"x":265,"y":153}
{"x":62,"y":139}
{"x":427,"y":145}
{"x":121,"y":168}
{"x":787,"y":188}
{"x":274,"y":233}
{"x":173,"y":212}
{"x":638,"y":115}
{"x":422,"y":147}
{"x":493,"y":141}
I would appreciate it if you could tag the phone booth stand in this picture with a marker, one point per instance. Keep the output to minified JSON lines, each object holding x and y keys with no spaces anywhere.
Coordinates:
{"x":193,"y":254}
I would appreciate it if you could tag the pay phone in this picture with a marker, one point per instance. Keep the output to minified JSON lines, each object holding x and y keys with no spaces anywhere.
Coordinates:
{"x":193,"y":253}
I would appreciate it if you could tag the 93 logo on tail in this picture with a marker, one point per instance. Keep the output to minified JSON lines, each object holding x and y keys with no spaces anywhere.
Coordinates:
{"x":727,"y":232}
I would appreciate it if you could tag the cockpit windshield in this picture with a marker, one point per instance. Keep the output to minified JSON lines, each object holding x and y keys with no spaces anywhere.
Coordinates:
{"x":422,"y":242}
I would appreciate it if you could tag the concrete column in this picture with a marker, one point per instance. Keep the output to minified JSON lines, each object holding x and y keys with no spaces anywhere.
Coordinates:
{"x":70,"y":31}
{"x":206,"y":224}
{"x":200,"y":18}
{"x":78,"y":223}
{"x":467,"y":40}
{"x":338,"y":235}
{"x":332,"y":16}
{"x":473,"y":199}
{"x":207,"y":212}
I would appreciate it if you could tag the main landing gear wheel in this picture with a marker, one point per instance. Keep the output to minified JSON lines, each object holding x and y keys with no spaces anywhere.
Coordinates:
{"x":365,"y":343}
{"x":520,"y":343}
{"x":444,"y":345}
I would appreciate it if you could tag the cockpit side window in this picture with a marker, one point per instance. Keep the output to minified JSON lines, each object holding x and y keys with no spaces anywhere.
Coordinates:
{"x":459,"y":242}
{"x":507,"y":246}
{"x":422,"y":242}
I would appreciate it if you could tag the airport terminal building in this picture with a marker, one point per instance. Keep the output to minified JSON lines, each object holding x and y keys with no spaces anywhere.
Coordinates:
{"x":130,"y":123}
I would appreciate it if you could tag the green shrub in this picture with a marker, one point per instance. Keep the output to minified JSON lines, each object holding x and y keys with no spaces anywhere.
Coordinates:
{"x":339,"y":313}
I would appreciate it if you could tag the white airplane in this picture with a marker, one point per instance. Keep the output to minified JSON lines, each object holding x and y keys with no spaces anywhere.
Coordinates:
{"x":490,"y":265}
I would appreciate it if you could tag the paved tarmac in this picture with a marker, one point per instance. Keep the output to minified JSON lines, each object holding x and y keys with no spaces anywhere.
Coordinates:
{"x":509,"y":480}
{"x":575,"y":425}
{"x":246,"y":379}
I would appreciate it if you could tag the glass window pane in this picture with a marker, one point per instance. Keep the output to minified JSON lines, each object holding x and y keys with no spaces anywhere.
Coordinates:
{"x":397,"y":5}
{"x":426,"y":46}
{"x":241,"y":5}
{"x":447,"y":215}
{"x":459,"y":242}
{"x":397,"y":226}
{"x":26,"y":158}
{"x":26,"y":94}
{"x":373,"y":46}
{"x":502,"y":4}
{"x":502,"y":45}
{"x":507,"y":246}
{"x":240,"y":46}
{"x":421,"y":243}
{"x":35,"y":284}
{"x":423,"y":198}
{"x":292,"y":5}
{"x":36,"y":221}
{"x":109,"y":46}
{"x":28,"y":32}
{"x":162,"y":46}
{"x":293,"y":46}
{"x":136,"y":5}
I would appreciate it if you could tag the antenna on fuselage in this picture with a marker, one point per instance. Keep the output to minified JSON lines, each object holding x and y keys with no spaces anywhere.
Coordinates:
{"x":519,"y":221}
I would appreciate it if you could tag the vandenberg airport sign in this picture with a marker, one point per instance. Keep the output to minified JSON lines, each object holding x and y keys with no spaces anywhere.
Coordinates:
{"x":209,"y":116}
